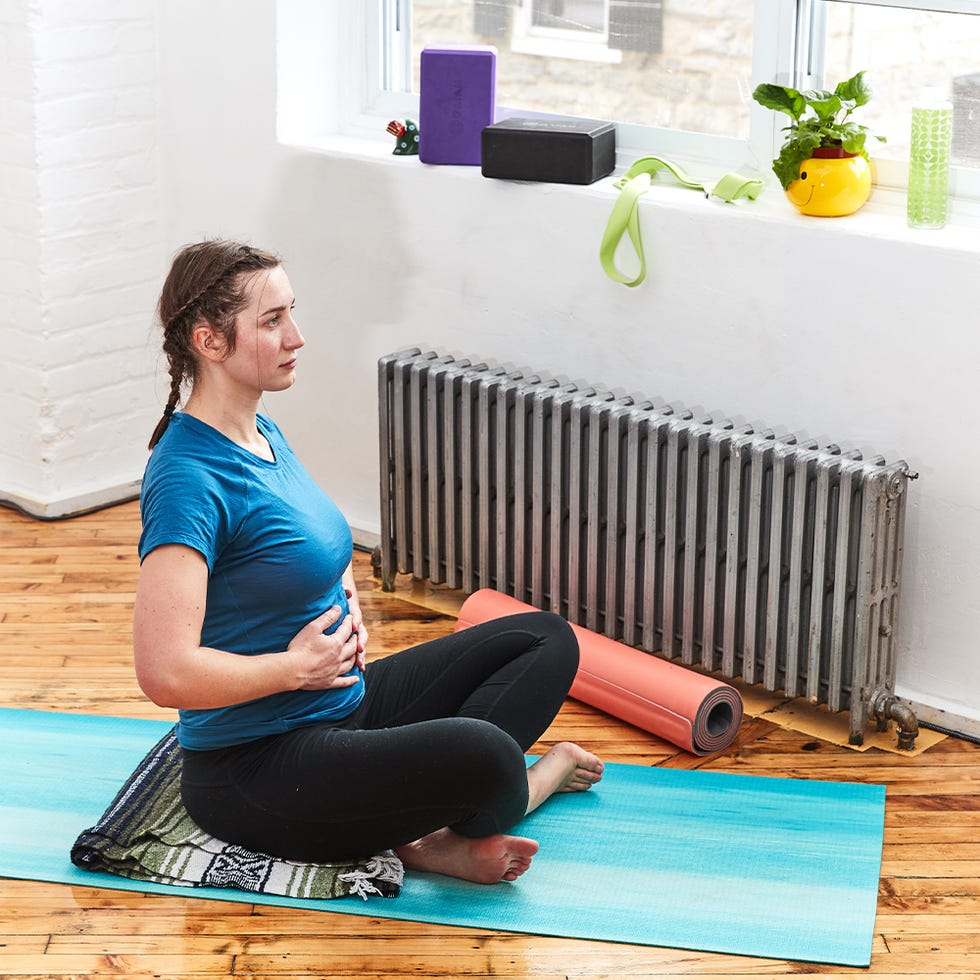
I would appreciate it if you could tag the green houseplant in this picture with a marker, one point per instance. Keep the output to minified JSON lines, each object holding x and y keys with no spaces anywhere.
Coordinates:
{"x":821,"y":128}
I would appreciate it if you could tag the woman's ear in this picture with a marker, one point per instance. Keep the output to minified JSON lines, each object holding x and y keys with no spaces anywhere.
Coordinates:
{"x":206,"y":342}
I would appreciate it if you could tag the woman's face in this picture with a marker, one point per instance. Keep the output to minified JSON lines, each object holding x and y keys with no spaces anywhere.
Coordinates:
{"x":266,"y":335}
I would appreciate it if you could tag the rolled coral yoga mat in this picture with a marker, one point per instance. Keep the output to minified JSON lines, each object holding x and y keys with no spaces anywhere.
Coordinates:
{"x":696,"y":712}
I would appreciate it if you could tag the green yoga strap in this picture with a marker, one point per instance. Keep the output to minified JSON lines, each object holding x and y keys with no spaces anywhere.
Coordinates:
{"x":625,"y":217}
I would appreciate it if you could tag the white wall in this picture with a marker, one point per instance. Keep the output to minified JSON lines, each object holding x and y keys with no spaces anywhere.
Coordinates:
{"x":82,"y":248}
{"x":20,"y":286}
{"x":731,"y":317}
{"x":852,"y":328}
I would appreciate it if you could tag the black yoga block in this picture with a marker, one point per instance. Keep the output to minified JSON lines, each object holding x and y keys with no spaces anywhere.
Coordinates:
{"x":556,"y":151}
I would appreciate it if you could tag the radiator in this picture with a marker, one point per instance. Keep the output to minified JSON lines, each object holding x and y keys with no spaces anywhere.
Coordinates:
{"x":721,"y":545}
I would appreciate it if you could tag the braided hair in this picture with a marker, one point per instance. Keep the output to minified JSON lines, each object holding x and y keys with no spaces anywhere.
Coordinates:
{"x":206,"y":281}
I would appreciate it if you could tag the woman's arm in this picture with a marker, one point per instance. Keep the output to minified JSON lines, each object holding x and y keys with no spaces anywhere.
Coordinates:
{"x":175,"y":671}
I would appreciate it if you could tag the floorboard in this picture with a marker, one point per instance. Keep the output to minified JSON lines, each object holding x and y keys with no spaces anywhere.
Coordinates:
{"x":66,"y":590}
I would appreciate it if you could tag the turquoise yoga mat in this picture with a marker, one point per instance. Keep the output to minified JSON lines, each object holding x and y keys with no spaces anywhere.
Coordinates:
{"x":779,"y":868}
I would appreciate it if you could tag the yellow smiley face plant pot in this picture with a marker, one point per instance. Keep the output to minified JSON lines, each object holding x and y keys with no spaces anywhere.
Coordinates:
{"x":823,"y":165}
{"x":831,"y":183}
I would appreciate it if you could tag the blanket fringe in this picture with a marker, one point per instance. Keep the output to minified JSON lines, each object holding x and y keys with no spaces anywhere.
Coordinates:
{"x":385,"y":868}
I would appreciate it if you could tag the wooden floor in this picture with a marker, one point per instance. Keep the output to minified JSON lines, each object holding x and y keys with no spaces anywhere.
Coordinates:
{"x":66,"y":592}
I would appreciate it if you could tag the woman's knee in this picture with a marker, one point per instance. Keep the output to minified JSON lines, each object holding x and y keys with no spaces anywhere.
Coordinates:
{"x":488,"y":763}
{"x":561,"y":641}
{"x":489,"y":747}
{"x":490,"y":777}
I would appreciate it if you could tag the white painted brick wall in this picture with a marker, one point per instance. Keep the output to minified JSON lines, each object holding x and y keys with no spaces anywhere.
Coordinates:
{"x":82,"y":253}
{"x":20,"y":376}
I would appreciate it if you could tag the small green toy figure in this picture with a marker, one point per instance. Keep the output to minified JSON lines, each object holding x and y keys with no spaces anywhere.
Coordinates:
{"x":406,"y":137}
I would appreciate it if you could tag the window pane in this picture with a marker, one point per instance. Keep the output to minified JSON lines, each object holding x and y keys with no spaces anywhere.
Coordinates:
{"x":570,"y":15}
{"x":666,"y":63}
{"x":905,"y":51}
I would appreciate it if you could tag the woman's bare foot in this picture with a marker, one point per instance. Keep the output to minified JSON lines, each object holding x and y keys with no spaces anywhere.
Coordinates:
{"x":485,"y":860}
{"x":564,"y":768}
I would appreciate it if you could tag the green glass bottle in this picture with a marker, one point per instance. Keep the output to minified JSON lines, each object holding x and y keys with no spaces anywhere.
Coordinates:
{"x":932,"y":129}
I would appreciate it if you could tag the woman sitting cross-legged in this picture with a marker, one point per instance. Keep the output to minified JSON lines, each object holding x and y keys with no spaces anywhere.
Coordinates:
{"x":247,"y":620}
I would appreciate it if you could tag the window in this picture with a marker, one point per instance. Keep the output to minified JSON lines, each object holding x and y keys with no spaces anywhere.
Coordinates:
{"x":905,"y":52}
{"x":569,"y":29}
{"x":606,"y":59}
{"x":676,"y":77}
{"x":615,"y":24}
{"x":586,"y":30}
{"x":574,"y":16}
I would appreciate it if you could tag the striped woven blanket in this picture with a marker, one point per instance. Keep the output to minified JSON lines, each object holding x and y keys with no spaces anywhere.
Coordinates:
{"x":147,"y":834}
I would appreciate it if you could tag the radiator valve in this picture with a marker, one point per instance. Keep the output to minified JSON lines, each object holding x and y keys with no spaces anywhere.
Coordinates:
{"x":886,"y":707}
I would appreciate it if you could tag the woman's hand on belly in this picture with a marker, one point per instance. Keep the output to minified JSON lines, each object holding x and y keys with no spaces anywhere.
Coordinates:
{"x":324,"y":660}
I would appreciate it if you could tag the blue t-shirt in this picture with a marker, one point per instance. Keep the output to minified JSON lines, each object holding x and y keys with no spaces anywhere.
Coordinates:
{"x":276,"y":547}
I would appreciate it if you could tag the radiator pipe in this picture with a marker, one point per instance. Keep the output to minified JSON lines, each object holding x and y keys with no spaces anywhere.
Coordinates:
{"x":886,"y":707}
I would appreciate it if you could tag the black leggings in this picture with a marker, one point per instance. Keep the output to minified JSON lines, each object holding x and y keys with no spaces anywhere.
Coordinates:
{"x":438,"y":741}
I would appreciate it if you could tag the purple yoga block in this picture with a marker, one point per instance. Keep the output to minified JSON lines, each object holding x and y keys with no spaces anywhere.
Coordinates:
{"x":456,"y":103}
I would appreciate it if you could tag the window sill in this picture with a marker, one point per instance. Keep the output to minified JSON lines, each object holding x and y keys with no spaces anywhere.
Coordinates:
{"x":881,"y":218}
